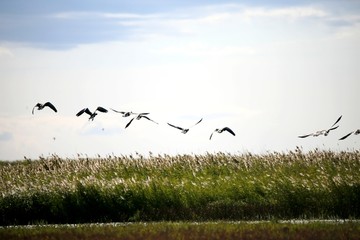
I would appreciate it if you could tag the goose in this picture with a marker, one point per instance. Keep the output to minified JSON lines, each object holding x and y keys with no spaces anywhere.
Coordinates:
{"x":92,"y":115}
{"x":184,"y":130}
{"x":138,"y":117}
{"x":40,"y":106}
{"x":354,"y":132}
{"x":222,"y":130}
{"x":322,"y":132}
{"x":128,"y":114}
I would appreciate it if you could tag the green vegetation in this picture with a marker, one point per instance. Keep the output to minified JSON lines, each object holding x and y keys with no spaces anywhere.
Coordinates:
{"x":185,"y":230}
{"x":316,"y":184}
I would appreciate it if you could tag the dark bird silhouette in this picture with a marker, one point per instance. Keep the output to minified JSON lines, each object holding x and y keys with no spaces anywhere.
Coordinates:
{"x":128,"y":114}
{"x":353,"y":132}
{"x":184,"y":130}
{"x":222,"y":130}
{"x":138,"y":117}
{"x":40,"y":106}
{"x":322,"y":132}
{"x":92,"y":115}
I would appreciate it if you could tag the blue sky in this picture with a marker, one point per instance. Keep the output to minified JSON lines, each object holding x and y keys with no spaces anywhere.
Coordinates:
{"x":66,"y":24}
{"x":270,"y":71}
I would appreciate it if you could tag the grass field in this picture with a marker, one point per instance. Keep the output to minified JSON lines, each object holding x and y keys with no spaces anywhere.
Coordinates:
{"x":210,"y":187}
{"x":186,"y":230}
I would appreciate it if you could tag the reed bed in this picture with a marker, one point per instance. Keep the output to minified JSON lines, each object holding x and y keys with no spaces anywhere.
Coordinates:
{"x":221,"y":186}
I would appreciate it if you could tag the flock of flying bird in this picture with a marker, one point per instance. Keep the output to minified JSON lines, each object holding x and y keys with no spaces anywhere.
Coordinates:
{"x":139,"y":116}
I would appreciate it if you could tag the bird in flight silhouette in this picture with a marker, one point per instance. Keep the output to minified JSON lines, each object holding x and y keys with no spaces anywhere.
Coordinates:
{"x":91,"y":114}
{"x":128,"y":114}
{"x":222,"y":130}
{"x":40,"y":106}
{"x":138,"y":117}
{"x":185,"y":130}
{"x":322,"y":132}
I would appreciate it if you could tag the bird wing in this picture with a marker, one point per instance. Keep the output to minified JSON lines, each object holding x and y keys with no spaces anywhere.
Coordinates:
{"x":337,"y":121}
{"x":305,"y":136}
{"x":345,"y":136}
{"x":197,"y":122}
{"x":142,"y":116}
{"x":86,"y":110}
{"x":211,"y":135}
{"x":229,"y":130}
{"x":117,"y":111}
{"x":50,"y":105}
{"x":80,"y":112}
{"x":332,"y":128}
{"x":175,"y":127}
{"x":33,"y":109}
{"x":128,"y":124}
{"x":101,"y":109}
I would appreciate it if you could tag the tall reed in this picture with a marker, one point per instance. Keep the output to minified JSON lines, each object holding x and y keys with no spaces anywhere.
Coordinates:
{"x":294,"y":184}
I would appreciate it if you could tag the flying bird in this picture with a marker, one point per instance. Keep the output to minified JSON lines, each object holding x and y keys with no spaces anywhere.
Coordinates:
{"x":138,"y":117}
{"x":92,"y":115}
{"x":323,"y":132}
{"x":184,"y":130}
{"x":128,"y":114}
{"x":40,"y":106}
{"x":354,"y":132}
{"x":222,"y":130}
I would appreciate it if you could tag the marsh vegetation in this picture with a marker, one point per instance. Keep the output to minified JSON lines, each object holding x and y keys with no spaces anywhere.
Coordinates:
{"x":209,"y":187}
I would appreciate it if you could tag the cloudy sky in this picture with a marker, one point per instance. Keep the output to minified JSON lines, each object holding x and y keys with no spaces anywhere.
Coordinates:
{"x":269,"y":71}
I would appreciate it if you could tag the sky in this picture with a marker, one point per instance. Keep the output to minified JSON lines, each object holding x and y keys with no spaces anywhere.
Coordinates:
{"x":269,"y":70}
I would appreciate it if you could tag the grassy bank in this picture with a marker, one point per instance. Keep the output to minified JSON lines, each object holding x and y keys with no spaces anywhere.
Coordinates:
{"x":184,"y":230}
{"x":316,"y":184}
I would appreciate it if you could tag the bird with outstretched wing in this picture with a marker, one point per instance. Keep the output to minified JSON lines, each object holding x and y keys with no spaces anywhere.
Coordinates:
{"x":184,"y":130}
{"x":40,"y":106}
{"x":218,"y":130}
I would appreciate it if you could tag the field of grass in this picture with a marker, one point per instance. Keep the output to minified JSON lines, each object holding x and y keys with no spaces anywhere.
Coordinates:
{"x":210,"y":187}
{"x":186,"y":230}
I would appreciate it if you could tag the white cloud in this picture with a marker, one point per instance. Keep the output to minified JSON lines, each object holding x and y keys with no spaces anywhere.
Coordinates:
{"x":6,"y":52}
{"x":199,"y":15}
{"x":203,"y":49}
{"x":212,"y":16}
{"x":220,"y":19}
{"x":105,"y":15}
{"x":131,"y":16}
{"x":287,"y":12}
